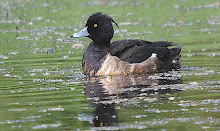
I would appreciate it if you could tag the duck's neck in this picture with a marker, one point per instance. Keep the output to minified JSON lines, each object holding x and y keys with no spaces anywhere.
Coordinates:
{"x":102,"y":44}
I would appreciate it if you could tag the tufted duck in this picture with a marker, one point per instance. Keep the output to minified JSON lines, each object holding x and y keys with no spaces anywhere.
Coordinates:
{"x":129,"y":56}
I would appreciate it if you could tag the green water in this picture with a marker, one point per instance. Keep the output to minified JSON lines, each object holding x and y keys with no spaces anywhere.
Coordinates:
{"x":41,"y":80}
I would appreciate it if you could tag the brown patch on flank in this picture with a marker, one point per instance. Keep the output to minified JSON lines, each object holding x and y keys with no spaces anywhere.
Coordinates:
{"x":112,"y":65}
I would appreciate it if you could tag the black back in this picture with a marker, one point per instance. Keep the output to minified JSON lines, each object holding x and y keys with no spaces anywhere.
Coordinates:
{"x":136,"y":51}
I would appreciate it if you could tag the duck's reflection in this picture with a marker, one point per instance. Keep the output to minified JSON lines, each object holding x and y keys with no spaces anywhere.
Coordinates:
{"x":106,"y":92}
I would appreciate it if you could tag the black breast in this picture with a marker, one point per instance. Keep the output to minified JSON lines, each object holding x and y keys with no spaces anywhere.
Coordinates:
{"x":92,"y":58}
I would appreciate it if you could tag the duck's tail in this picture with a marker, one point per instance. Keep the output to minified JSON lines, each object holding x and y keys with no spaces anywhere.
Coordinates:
{"x":172,"y":59}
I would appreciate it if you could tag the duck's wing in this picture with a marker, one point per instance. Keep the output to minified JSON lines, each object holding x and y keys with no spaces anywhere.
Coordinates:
{"x":136,"y":51}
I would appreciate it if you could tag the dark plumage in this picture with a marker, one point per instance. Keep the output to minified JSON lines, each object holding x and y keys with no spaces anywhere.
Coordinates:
{"x":125,"y":56}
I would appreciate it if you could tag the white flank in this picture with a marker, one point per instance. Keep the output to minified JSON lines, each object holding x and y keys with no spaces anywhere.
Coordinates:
{"x":154,"y":55}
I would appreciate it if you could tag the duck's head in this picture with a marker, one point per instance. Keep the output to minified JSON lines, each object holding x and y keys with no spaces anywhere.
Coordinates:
{"x":98,"y":28}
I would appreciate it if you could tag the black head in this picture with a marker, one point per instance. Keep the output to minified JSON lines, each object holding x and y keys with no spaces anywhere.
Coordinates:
{"x":99,"y":28}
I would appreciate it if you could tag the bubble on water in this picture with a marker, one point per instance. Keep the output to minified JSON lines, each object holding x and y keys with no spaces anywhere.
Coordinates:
{"x":30,"y":23}
{"x":54,"y":80}
{"x":54,"y":11}
{"x":7,"y":75}
{"x":3,"y":57}
{"x":13,"y":53}
{"x":194,"y":83}
{"x":46,"y":73}
{"x":59,"y":108}
{"x":23,"y":38}
{"x":184,"y":109}
{"x":39,"y":70}
{"x":177,"y":6}
{"x":47,"y":114}
{"x":3,"y":69}
{"x":214,"y":20}
{"x":32,"y":117}
{"x":187,"y":103}
{"x":19,"y":126}
{"x":72,"y":83}
{"x":4,"y":31}
{"x":171,"y":98}
{"x":199,"y":122}
{"x":215,"y":5}
{"x":73,"y":89}
{"x":129,"y":14}
{"x":45,"y":126}
{"x":128,"y":23}
{"x":189,"y":55}
{"x":70,"y":52}
{"x":65,"y":57}
{"x":50,"y":88}
{"x":37,"y":18}
{"x":46,"y":4}
{"x":132,"y":33}
{"x":120,"y":31}
{"x":168,"y":24}
{"x":210,"y":110}
{"x":59,"y":40}
{"x":139,"y":116}
{"x":49,"y":21}
{"x":37,"y":80}
{"x":184,"y":34}
{"x":205,"y":127}
{"x":33,"y":74}
{"x":21,"y":82}
{"x":206,"y":30}
{"x":17,"y":103}
{"x":212,"y":54}
{"x":78,"y":46}
{"x":17,"y":109}
{"x":150,"y":100}
{"x":14,"y":121}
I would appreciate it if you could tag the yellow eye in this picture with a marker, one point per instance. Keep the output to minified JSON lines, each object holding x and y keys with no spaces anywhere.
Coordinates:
{"x":95,"y":25}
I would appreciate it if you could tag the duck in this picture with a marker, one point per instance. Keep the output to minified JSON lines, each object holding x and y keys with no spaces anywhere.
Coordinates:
{"x":127,"y":56}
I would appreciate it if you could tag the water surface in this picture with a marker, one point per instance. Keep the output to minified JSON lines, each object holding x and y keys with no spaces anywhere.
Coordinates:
{"x":41,"y":80}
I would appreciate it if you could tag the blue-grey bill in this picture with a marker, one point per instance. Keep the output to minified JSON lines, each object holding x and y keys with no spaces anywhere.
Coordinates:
{"x":82,"y":33}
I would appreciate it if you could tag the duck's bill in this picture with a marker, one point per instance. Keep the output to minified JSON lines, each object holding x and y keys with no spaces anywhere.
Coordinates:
{"x":82,"y":33}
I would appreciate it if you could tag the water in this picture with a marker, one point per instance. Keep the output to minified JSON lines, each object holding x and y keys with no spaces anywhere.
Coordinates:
{"x":41,"y":80}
